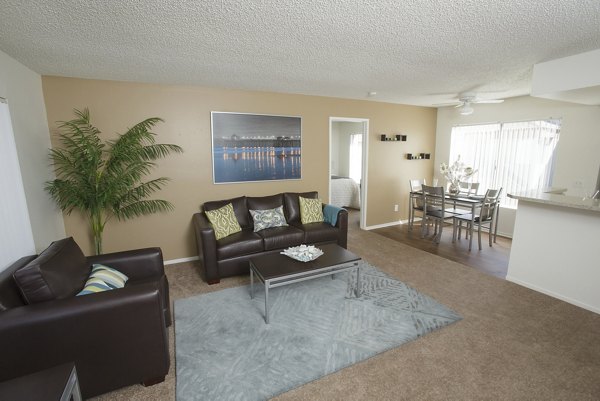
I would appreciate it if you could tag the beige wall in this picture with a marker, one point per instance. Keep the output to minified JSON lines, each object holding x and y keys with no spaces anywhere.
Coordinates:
{"x":23,"y":89}
{"x":186,"y":111}
{"x":578,"y":151}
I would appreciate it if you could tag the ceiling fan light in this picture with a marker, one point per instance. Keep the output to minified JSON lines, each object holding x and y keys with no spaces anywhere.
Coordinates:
{"x":465,"y":110}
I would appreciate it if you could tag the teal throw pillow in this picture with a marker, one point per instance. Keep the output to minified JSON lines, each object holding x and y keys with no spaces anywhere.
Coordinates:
{"x":103,"y":278}
{"x":268,"y":218}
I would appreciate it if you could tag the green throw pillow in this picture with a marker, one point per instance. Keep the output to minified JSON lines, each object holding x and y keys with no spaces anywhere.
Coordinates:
{"x":311,"y":210}
{"x":223,"y":221}
{"x":268,"y":218}
{"x":103,"y":278}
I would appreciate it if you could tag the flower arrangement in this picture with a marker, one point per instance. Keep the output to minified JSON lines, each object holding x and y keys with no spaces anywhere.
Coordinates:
{"x":455,"y":173}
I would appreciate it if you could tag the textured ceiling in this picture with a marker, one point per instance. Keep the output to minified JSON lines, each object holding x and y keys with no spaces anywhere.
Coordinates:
{"x":414,"y":52}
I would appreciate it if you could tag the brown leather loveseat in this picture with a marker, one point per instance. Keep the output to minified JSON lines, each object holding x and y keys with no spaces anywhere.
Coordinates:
{"x":115,"y":338}
{"x":229,"y":256}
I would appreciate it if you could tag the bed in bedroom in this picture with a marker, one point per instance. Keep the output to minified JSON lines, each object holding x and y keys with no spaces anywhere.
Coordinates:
{"x":345,"y":192}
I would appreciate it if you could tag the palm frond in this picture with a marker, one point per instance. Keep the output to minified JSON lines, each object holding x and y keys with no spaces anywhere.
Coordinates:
{"x":67,"y":195}
{"x":144,"y":207}
{"x":160,"y":150}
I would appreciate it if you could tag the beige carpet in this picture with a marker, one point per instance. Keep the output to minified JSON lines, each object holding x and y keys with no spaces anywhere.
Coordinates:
{"x":512,"y":344}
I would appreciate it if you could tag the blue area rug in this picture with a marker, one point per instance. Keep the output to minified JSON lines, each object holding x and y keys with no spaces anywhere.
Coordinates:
{"x":225,"y":351}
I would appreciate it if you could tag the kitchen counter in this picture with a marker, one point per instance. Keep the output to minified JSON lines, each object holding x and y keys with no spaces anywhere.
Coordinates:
{"x":555,"y":246}
{"x":558,"y":197}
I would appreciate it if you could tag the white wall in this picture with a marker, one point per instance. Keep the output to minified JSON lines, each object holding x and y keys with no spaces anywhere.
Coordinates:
{"x":23,"y":90}
{"x":578,"y":152}
{"x":15,"y":230}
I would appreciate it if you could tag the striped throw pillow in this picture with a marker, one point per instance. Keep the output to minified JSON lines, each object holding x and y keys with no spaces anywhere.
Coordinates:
{"x":103,"y":278}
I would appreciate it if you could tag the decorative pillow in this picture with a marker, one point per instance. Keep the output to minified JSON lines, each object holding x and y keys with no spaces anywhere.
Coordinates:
{"x":58,"y":272}
{"x":223,"y":221}
{"x":268,"y":218}
{"x":103,"y":278}
{"x":311,"y":210}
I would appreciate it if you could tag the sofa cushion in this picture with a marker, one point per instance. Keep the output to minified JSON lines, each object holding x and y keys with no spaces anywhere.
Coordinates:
{"x":223,"y":221}
{"x":103,"y":278}
{"x":281,"y":237}
{"x":239,"y":244}
{"x":268,"y":218}
{"x":292,"y":205}
{"x":311,"y":210}
{"x":239,"y":207}
{"x":264,"y":202}
{"x":58,"y":272}
{"x":319,"y":232}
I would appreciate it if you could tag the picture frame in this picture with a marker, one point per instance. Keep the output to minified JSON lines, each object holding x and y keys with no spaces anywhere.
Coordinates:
{"x":255,"y":147}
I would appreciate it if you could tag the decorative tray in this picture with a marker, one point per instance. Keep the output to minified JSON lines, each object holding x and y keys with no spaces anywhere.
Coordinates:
{"x":303,"y":253}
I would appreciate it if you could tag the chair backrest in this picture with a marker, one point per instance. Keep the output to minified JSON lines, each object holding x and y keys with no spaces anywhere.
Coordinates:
{"x":490,"y":203}
{"x":469,"y":188}
{"x":415,"y":185}
{"x":433,"y":196}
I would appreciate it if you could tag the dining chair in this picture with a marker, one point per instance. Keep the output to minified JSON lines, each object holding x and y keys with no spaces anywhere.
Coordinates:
{"x":486,"y":218}
{"x":434,"y":209}
{"x":465,"y":189}
{"x":416,"y":203}
{"x":468,"y":188}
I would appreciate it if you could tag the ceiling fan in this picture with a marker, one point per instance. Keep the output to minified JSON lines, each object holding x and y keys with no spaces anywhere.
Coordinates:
{"x":466,"y":99}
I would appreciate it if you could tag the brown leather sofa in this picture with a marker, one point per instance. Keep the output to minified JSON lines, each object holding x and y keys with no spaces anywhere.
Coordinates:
{"x":115,"y":338}
{"x":229,"y":256}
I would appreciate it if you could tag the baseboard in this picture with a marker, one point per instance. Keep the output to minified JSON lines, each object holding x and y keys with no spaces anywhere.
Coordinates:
{"x":393,"y":223}
{"x":552,"y":294}
{"x":182,"y":260}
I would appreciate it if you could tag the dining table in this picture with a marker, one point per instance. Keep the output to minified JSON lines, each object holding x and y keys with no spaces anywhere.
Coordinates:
{"x":470,"y":201}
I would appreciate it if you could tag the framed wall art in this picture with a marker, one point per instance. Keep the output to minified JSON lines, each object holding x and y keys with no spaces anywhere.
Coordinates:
{"x":255,"y":147}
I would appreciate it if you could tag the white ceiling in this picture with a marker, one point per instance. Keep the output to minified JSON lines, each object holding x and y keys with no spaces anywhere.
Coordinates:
{"x":414,"y":52}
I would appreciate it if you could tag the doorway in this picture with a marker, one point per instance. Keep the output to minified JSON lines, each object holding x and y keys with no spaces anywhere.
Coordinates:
{"x":348,"y":150}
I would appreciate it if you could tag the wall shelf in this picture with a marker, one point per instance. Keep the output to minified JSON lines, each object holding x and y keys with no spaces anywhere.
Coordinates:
{"x":418,"y":156}
{"x":393,"y":138}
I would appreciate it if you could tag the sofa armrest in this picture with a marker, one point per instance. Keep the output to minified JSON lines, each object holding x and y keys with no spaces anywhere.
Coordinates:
{"x":116,"y":338}
{"x":207,"y":247}
{"x":342,"y":224}
{"x":135,"y":264}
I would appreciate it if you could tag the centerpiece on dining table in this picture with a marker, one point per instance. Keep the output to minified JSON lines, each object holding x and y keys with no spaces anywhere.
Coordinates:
{"x":456,"y":173}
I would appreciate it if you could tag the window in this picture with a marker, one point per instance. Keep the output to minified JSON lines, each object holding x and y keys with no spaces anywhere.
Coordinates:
{"x":517,"y":156}
{"x":355,"y":157}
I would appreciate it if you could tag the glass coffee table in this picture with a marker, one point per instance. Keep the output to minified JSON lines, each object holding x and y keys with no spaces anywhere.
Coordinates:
{"x":276,"y":270}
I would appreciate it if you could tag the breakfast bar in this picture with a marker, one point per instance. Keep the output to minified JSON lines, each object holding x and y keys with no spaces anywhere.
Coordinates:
{"x":555,"y":246}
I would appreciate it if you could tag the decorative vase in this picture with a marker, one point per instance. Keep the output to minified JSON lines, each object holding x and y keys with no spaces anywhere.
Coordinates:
{"x":454,"y":189}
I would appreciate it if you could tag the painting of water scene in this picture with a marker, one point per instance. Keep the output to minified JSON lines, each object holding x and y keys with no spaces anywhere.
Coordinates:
{"x":255,"y":147}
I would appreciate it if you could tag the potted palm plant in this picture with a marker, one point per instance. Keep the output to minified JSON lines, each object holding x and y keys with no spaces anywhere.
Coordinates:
{"x":104,"y":179}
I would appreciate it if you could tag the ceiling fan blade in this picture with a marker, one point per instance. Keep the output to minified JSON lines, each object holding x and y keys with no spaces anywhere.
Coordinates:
{"x":488,"y":101}
{"x":447,"y":104}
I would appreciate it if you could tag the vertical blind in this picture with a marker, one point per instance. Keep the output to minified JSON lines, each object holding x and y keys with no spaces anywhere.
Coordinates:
{"x":15,"y":230}
{"x":517,"y":156}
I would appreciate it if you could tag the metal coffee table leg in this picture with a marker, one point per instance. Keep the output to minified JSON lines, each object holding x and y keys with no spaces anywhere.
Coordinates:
{"x":267,"y":301}
{"x":251,"y":283}
{"x":357,"y":293}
